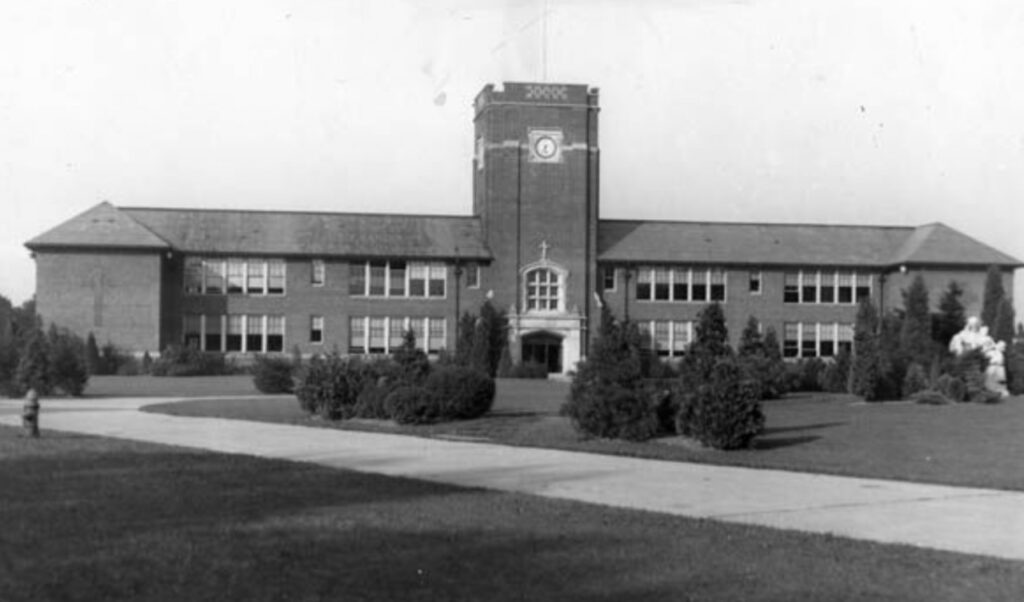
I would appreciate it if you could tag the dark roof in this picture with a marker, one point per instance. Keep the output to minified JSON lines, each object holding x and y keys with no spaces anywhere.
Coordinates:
{"x":791,"y":244}
{"x":328,"y":234}
{"x":274,"y":233}
{"x":102,"y":225}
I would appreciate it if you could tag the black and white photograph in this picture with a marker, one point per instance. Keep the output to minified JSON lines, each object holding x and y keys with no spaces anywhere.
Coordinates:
{"x":524,"y":300}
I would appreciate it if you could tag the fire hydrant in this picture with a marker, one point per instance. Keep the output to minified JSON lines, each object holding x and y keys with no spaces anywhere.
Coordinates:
{"x":30,"y":414}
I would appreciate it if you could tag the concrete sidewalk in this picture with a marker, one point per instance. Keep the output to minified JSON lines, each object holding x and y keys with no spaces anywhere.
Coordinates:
{"x":958,"y":519}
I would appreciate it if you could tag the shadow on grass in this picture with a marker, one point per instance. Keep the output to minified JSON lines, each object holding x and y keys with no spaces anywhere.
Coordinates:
{"x":769,"y":431}
{"x":762,"y":443}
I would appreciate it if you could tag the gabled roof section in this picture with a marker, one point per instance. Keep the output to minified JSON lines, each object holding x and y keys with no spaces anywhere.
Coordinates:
{"x":101,"y":226}
{"x":938,"y":243}
{"x":326,"y":234}
{"x":736,"y":243}
{"x":792,"y":244}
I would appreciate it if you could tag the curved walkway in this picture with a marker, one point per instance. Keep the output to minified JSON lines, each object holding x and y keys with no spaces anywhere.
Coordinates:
{"x":958,"y":519}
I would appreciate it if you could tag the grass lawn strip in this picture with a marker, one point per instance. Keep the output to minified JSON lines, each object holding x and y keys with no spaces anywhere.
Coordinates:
{"x":964,"y":444}
{"x":89,"y":518}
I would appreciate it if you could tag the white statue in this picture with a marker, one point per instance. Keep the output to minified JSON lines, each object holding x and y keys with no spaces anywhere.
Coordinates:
{"x":995,"y":374}
{"x":973,"y":336}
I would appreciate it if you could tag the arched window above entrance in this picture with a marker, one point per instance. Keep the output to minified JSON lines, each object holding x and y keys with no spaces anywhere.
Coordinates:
{"x":544,"y":290}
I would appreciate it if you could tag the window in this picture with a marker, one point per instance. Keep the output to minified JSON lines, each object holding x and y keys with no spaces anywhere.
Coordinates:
{"x":473,"y":275}
{"x":378,"y":278}
{"x":863,"y":283}
{"x":717,"y":285}
{"x":844,"y":337}
{"x":192,"y":331}
{"x":275,"y":277}
{"x":438,"y":275}
{"x":418,"y":328}
{"x":357,"y":335}
{"x":680,"y":337}
{"x":828,"y":287}
{"x":662,"y":335}
{"x":755,"y":283}
{"x":234,"y":337}
{"x":436,"y":335}
{"x":214,"y":274}
{"x":809,"y":288}
{"x":316,"y":329}
{"x":255,"y":278}
{"x":212,"y":334}
{"x":661,"y":284}
{"x":643,"y":284}
{"x":378,"y":335}
{"x":396,"y":279}
{"x":790,"y":340}
{"x":681,"y":284}
{"x":318,"y":272}
{"x":700,"y":285}
{"x":608,"y":279}
{"x":357,"y":279}
{"x":417,"y":280}
{"x":845,"y":288}
{"x":791,"y":287}
{"x":254,"y":333}
{"x":236,"y":276}
{"x":542,"y":290}
{"x":809,"y":340}
{"x":193,"y":275}
{"x":396,"y":331}
{"x":275,"y":333}
{"x":827,"y":340}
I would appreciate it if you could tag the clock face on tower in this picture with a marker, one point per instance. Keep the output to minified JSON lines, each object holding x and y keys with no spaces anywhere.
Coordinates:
{"x":545,"y":146}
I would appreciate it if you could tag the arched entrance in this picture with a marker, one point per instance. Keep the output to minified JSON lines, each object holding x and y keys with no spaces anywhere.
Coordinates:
{"x":543,"y":348}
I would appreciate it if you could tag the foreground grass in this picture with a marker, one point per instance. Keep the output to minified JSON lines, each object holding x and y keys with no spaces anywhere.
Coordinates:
{"x":963,"y":444}
{"x":99,"y":519}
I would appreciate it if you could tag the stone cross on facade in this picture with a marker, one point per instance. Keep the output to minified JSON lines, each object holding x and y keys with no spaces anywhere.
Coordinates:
{"x":544,"y":246}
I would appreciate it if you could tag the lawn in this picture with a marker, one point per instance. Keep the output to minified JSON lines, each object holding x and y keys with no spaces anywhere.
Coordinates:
{"x":963,"y":444}
{"x":153,"y":386}
{"x":101,"y":519}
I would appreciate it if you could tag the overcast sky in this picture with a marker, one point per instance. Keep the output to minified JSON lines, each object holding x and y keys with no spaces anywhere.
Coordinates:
{"x":866,"y":112}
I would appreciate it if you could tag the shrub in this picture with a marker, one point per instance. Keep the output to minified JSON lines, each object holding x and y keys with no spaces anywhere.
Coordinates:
{"x":836,"y":377}
{"x":612,"y":411}
{"x":724,"y":412}
{"x":273,"y":375}
{"x":188,"y":361}
{"x":372,"y":402}
{"x":67,"y":362}
{"x":323,"y":388}
{"x":147,"y":363}
{"x":413,"y":405}
{"x":866,"y":371}
{"x":930,"y":397}
{"x":411,"y":364}
{"x":528,"y":370}
{"x":34,"y":367}
{"x":915,"y":380}
{"x":464,"y":392}
{"x":1015,"y":369}
{"x":951,"y":387}
{"x":92,"y":354}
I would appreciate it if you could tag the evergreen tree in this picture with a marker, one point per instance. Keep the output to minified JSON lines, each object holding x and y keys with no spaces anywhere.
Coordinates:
{"x":413,"y":364}
{"x":994,"y":293}
{"x":1002,"y":328}
{"x":951,"y":317}
{"x":711,"y":333}
{"x":92,"y":355}
{"x":772,"y":348}
{"x":865,"y":376}
{"x":465,"y":339}
{"x":751,"y":342}
{"x":34,"y":366}
{"x":916,"y":342}
{"x":491,"y":337}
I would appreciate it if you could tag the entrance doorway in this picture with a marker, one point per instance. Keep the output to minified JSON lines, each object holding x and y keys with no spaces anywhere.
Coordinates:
{"x":544,"y":348}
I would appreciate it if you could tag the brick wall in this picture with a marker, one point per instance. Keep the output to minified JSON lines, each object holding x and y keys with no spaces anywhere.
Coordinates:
{"x":116,"y":296}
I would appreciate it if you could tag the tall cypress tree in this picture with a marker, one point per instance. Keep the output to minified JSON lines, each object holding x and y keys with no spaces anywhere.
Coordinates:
{"x":994,"y":293}
{"x":916,"y":330}
{"x":951,"y":317}
{"x":866,"y":375}
{"x":1002,"y":328}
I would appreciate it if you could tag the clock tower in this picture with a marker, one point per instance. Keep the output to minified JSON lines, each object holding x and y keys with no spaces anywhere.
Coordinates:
{"x":535,"y":190}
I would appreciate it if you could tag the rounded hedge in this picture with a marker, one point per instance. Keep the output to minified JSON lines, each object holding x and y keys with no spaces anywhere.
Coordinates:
{"x":463,"y":392}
